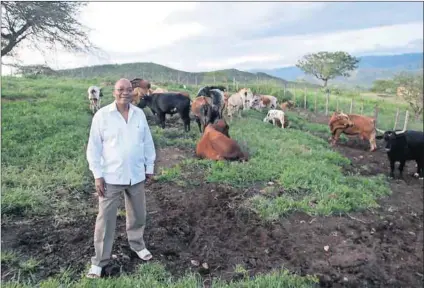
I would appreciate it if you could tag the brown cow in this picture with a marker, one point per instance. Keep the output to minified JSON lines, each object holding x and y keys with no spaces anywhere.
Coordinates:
{"x":286,"y":105}
{"x":214,"y":145}
{"x":138,"y":93}
{"x":353,"y":125}
{"x":201,"y":107}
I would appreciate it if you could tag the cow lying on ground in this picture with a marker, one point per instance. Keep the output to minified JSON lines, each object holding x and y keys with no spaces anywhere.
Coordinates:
{"x":202,"y":111}
{"x":215,"y":145}
{"x":403,"y":146}
{"x":259,"y":102}
{"x":353,"y":125}
{"x":273,"y":114}
{"x":95,"y":95}
{"x":168,"y":103}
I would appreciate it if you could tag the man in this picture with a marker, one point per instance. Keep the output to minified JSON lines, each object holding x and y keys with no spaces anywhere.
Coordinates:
{"x":121,"y":156}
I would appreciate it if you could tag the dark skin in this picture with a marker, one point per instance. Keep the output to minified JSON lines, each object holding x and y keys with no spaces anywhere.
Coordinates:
{"x":123,"y":96}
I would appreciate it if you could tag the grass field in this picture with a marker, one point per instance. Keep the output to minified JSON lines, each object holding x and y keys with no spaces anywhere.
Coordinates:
{"x":45,"y":174}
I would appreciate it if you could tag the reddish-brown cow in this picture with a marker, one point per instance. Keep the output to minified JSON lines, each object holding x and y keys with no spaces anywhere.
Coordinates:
{"x":353,"y":125}
{"x":201,"y":107}
{"x":214,"y":145}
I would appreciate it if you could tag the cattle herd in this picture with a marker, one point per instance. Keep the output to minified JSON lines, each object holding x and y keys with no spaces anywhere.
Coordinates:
{"x":215,"y":143}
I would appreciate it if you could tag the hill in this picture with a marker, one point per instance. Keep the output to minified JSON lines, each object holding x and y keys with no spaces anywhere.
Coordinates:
{"x":160,"y":73}
{"x":370,"y":68}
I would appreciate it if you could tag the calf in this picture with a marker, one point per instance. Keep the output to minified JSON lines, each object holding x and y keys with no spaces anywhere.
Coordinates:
{"x":353,"y":125}
{"x":247,"y":96}
{"x":234,"y":104}
{"x":202,"y":110}
{"x":403,"y":146}
{"x":273,"y":115}
{"x":94,"y":96}
{"x":168,"y":103}
{"x":215,"y":145}
{"x":287,"y":105}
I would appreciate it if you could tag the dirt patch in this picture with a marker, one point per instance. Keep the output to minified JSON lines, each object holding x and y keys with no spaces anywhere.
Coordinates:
{"x":373,"y":248}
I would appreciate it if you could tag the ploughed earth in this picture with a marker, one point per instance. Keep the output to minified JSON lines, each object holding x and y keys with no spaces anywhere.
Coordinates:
{"x":375,"y":248}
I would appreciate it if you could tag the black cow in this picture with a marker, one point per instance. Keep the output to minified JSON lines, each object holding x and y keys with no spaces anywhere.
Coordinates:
{"x":403,"y":146}
{"x":168,"y":103}
{"x":217,"y":95}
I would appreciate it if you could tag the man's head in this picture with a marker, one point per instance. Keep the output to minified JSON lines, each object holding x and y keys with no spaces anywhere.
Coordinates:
{"x":123,"y":91}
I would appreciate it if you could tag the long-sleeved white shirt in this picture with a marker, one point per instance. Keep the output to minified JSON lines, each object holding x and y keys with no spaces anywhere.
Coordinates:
{"x":120,"y":152}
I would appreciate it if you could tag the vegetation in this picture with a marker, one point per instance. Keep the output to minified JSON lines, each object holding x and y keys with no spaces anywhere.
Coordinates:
{"x":328,"y":65}
{"x":384,"y":86}
{"x":411,"y":90}
{"x":42,"y":22}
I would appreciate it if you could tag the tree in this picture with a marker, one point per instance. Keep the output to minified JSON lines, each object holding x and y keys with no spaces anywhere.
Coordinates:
{"x":328,"y":65}
{"x":383,"y":86}
{"x":42,"y":22}
{"x":410,"y":89}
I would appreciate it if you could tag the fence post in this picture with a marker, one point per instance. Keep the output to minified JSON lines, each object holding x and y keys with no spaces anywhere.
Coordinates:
{"x":376,"y":114}
{"x":316,"y":96}
{"x":304,"y":99}
{"x":285,"y":84}
{"x":362,"y":104}
{"x":405,"y":124}
{"x":396,"y":119}
{"x":326,"y":102}
{"x":351,"y":106}
{"x":337,"y":103}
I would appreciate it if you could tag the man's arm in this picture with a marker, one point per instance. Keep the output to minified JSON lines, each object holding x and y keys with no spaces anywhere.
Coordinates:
{"x":149,"y":148}
{"x":95,"y":148}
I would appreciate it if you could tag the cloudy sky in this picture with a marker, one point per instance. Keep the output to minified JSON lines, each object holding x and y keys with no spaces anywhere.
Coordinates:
{"x":208,"y":36}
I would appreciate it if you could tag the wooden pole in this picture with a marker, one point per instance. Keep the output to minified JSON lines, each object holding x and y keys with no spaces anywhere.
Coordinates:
{"x":326,"y":102}
{"x":405,"y":124}
{"x":351,"y":106}
{"x":316,"y":96}
{"x":337,"y":103}
{"x":396,"y":119}
{"x":376,"y":114}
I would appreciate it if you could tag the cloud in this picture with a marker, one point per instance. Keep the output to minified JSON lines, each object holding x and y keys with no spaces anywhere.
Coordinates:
{"x":207,"y":36}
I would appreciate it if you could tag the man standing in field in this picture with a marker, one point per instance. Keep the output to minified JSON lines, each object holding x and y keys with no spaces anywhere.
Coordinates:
{"x":121,"y":156}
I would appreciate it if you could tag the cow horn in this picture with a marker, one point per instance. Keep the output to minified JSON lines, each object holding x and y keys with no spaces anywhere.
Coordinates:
{"x":404,"y":126}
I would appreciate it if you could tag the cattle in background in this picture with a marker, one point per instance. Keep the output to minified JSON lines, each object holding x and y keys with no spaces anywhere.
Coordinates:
{"x":273,"y":114}
{"x":247,"y":97}
{"x":159,"y":90}
{"x":353,"y":125}
{"x":217,"y":96}
{"x":202,"y":110}
{"x":259,"y":102}
{"x":286,"y":105}
{"x":215,"y":145}
{"x":139,"y":93}
{"x":402,"y":146}
{"x":95,"y":95}
{"x":168,"y":103}
{"x":234,"y":104}
{"x":142,"y":83}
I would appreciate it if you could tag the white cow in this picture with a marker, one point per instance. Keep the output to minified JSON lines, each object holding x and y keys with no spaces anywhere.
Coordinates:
{"x":94,"y":95}
{"x":234,"y":104}
{"x":273,"y":115}
{"x":247,"y":97}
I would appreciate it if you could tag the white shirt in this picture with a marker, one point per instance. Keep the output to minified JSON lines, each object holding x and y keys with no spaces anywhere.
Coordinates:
{"x":119,"y":151}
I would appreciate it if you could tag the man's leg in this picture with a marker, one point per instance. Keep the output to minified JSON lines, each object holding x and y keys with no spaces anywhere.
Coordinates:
{"x":105,"y":224}
{"x":135,"y":206}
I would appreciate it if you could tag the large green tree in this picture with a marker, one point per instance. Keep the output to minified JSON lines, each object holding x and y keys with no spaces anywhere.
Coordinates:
{"x":328,"y":65}
{"x":410,"y":89}
{"x":46,"y":23}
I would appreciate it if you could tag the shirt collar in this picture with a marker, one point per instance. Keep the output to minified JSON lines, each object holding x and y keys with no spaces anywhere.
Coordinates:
{"x":113,"y":107}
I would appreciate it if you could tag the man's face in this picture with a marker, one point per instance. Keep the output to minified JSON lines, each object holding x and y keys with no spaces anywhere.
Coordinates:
{"x":123,"y":92}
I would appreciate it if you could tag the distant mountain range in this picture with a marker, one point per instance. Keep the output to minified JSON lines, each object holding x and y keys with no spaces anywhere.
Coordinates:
{"x":370,"y":68}
{"x":159,"y":73}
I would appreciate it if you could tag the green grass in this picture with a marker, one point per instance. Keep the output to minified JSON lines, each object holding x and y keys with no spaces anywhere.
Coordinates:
{"x":154,"y":275}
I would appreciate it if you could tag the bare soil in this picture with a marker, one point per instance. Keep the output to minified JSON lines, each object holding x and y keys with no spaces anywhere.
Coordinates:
{"x":374,"y":248}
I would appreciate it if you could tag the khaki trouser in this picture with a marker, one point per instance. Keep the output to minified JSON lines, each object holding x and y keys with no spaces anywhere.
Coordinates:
{"x":135,"y":206}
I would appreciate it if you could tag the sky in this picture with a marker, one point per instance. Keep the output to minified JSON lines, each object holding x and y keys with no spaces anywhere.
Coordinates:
{"x":205,"y":36}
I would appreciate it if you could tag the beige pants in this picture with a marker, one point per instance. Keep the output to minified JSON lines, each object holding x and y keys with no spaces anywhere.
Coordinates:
{"x":135,"y":206}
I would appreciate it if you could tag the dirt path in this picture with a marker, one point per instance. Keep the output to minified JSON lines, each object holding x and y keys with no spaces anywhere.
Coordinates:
{"x":379,"y":248}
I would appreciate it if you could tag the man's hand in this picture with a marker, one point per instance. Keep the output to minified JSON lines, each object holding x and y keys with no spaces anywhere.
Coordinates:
{"x":100,"y":186}
{"x":149,"y":178}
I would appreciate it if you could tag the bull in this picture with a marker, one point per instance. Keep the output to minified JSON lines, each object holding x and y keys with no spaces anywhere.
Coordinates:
{"x":402,"y":146}
{"x":168,"y":103}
